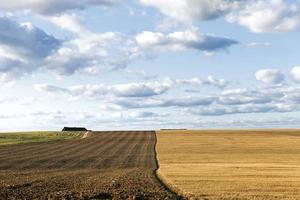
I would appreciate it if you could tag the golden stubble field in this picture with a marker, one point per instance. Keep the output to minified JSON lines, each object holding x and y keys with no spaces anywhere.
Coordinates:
{"x":231,"y":164}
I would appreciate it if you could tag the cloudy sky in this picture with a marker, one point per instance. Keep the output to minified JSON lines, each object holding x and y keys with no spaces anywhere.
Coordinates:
{"x":145,"y":64}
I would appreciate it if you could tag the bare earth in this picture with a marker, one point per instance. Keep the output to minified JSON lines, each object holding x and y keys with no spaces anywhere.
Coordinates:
{"x":257,"y":164}
{"x":107,"y":165}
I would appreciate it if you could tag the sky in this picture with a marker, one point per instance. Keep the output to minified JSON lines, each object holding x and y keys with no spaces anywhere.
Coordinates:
{"x":149,"y":64}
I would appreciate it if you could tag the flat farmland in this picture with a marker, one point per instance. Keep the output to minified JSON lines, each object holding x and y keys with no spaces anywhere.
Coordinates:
{"x":42,"y":136}
{"x":239,"y":164}
{"x":106,"y":165}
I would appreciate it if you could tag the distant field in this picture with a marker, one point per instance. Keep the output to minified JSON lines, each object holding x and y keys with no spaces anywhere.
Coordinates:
{"x":257,"y":164}
{"x":28,"y":137}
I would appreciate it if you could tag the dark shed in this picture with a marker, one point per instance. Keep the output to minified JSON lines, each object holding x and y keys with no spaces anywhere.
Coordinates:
{"x":74,"y":129}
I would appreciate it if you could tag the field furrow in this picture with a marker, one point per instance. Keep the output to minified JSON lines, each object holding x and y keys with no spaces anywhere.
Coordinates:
{"x":129,"y":160}
{"x":107,"y":165}
{"x":35,"y":156}
{"x":38,"y":147}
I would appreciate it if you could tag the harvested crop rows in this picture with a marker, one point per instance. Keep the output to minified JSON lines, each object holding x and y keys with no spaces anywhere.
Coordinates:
{"x":107,"y":165}
{"x":231,"y":164}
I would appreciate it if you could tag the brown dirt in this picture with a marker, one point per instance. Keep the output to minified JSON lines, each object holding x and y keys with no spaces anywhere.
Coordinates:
{"x":106,"y":165}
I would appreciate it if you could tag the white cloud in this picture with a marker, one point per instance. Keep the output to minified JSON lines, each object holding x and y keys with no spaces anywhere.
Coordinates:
{"x":144,"y":89}
{"x":243,"y":96}
{"x":69,"y":22}
{"x":187,"y":10}
{"x":140,"y":89}
{"x":25,"y":49}
{"x":223,"y":100}
{"x":295,"y":73}
{"x":269,"y":76}
{"x":86,"y":54}
{"x":221,"y":83}
{"x":257,"y":15}
{"x":243,"y":101}
{"x":117,"y":109}
{"x":50,"y":7}
{"x":165,"y":102}
{"x":227,"y":102}
{"x":198,"y":83}
{"x":179,"y":41}
{"x":86,"y":51}
{"x":268,"y":16}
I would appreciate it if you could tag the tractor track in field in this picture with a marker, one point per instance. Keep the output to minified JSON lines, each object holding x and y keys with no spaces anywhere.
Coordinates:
{"x":106,"y":165}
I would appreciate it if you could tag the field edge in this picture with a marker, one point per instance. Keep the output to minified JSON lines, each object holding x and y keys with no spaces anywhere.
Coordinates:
{"x":163,"y":181}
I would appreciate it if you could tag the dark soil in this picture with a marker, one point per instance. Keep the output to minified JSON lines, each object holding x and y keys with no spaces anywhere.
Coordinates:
{"x":107,"y":165}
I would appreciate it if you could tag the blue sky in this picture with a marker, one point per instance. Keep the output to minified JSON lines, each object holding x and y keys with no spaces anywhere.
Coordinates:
{"x":149,"y":64}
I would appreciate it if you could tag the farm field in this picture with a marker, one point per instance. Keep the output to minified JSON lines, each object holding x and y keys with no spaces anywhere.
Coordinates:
{"x":239,"y":164}
{"x":106,"y":165}
{"x":30,"y":137}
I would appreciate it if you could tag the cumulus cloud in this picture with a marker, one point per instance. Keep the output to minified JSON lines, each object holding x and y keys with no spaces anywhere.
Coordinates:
{"x":23,"y":47}
{"x":240,"y":101}
{"x":87,"y":51}
{"x":178,"y":41}
{"x":257,"y":15}
{"x":269,"y":76}
{"x":133,"y":105}
{"x":164,"y":102}
{"x":141,"y":89}
{"x":268,"y":16}
{"x":223,"y":100}
{"x":243,"y":96}
{"x":295,"y":73}
{"x":227,"y":102}
{"x":50,"y":7}
{"x":187,"y":10}
{"x":86,"y":54}
{"x":145,"y":89}
{"x":210,"y":81}
{"x":69,"y":22}
{"x":25,"y":40}
{"x":281,"y":99}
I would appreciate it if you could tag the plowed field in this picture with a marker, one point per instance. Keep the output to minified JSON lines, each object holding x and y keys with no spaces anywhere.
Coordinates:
{"x":107,"y":165}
